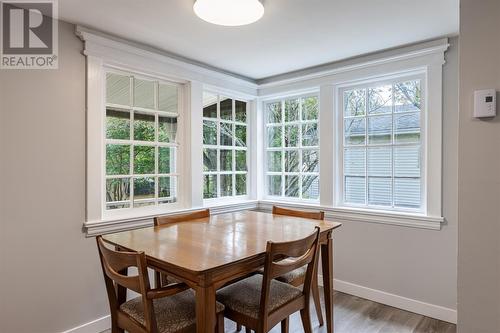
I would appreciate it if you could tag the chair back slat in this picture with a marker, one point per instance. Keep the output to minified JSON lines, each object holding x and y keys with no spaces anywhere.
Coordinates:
{"x":116,"y":262}
{"x":199,"y":214}
{"x":299,"y":213}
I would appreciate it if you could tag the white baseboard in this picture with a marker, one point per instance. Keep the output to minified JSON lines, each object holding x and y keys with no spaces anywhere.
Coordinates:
{"x":95,"y":326}
{"x":400,"y":302}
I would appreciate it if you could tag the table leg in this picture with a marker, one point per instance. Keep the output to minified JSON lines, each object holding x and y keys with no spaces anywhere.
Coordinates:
{"x":327,"y":266}
{"x":205,"y":309}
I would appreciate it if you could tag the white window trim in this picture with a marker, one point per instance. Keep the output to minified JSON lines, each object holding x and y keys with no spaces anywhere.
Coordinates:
{"x":105,"y":51}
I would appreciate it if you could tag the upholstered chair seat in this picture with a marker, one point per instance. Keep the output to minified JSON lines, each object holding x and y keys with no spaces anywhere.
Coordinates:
{"x":244,"y":296}
{"x":173,"y":314}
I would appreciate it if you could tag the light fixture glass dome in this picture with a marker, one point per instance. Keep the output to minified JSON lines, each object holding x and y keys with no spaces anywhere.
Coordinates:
{"x":229,"y":12}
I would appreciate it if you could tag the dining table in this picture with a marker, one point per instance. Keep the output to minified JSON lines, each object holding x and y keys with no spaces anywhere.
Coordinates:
{"x":209,"y":253}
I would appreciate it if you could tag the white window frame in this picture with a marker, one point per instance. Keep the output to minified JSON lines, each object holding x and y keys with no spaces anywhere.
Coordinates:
{"x":233,"y":148}
{"x":339,"y":175}
{"x":283,"y":149}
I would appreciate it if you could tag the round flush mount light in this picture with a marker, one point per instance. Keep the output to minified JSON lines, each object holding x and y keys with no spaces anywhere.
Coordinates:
{"x":229,"y":12}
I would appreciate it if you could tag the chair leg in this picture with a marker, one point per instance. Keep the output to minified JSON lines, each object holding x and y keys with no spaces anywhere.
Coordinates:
{"x":285,"y":327}
{"x":306,"y":320}
{"x":317,"y":302}
{"x":238,"y":327}
{"x":220,"y":323}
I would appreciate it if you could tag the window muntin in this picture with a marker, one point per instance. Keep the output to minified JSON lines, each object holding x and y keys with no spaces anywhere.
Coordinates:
{"x":225,"y":153}
{"x":292,"y":148}
{"x":141,"y":142}
{"x":382,"y":146}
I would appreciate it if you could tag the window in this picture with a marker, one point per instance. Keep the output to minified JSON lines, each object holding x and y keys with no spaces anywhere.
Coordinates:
{"x":381,"y":151}
{"x":141,"y":142}
{"x":292,"y":148}
{"x":224,"y":147}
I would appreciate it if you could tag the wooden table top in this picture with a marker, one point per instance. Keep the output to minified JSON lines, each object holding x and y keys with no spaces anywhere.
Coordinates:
{"x":203,"y":244}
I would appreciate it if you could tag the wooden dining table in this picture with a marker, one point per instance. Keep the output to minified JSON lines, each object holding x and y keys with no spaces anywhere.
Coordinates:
{"x":209,"y":253}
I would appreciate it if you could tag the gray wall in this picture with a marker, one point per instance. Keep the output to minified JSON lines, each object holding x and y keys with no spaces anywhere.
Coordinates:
{"x":50,"y":276}
{"x":414,"y":263}
{"x":479,"y":172}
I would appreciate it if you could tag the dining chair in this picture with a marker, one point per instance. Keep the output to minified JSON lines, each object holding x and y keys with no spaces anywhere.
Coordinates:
{"x":260,"y":302}
{"x":169,"y":309}
{"x":162,"y":279}
{"x":297,"y":277}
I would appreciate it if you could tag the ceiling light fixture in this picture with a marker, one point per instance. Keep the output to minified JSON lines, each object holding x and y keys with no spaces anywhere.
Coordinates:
{"x":229,"y":12}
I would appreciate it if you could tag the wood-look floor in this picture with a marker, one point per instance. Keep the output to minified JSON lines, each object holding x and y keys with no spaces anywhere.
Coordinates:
{"x":358,"y":315}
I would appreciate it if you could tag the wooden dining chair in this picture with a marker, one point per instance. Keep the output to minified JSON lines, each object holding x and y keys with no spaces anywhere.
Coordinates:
{"x":162,"y":310}
{"x":162,"y":279}
{"x":297,"y":277}
{"x":260,"y":302}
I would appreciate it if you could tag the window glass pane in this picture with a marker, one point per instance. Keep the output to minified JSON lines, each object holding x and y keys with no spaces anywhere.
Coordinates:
{"x":167,"y":129}
{"x":355,"y":103}
{"x":167,"y":98}
{"x":407,"y":127}
{"x":226,"y":134}
{"x":380,"y":100}
{"x":241,"y":184}
{"x":354,"y":161}
{"x":292,"y":186}
{"x":226,"y":185}
{"x":144,"y":188}
{"x":143,"y":203}
{"x":226,"y":108}
{"x":310,"y":108}
{"x":209,"y":132}
{"x":144,"y":160}
{"x":241,"y":111}
{"x":241,"y":160}
{"x":380,"y":191}
{"x":241,"y":135}
{"x":380,"y":129}
{"x":274,"y":185}
{"x":354,"y":130}
{"x":274,"y":114}
{"x":274,"y":137}
{"x":407,"y":192}
{"x":310,"y":187}
{"x":310,"y":161}
{"x":209,"y":186}
{"x":117,"y":159}
{"x":226,"y":160}
{"x":380,"y":161}
{"x":310,"y":134}
{"x":117,"y":124}
{"x":292,"y":161}
{"x":166,"y":160}
{"x":407,"y":96}
{"x":291,"y":110}
{"x":209,"y":105}
{"x":166,"y":189}
{"x":144,"y":127}
{"x":274,"y":161}
{"x":117,"y":189}
{"x":117,"y":89}
{"x":407,"y":161}
{"x":209,"y":159}
{"x":144,"y":93}
{"x":354,"y":190}
{"x":291,"y":136}
{"x":118,"y":205}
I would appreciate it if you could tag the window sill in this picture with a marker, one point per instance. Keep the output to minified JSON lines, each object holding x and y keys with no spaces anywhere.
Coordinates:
{"x":108,"y":226}
{"x":344,"y":214}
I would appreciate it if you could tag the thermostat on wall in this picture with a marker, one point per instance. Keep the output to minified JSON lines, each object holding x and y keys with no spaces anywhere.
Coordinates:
{"x":485,"y":103}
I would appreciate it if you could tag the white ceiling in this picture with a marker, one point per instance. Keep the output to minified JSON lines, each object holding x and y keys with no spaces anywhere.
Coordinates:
{"x":292,"y":35}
